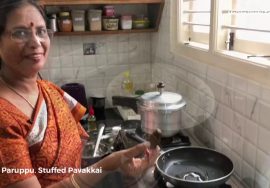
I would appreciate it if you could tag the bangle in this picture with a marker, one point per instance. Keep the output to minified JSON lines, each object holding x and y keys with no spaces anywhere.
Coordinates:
{"x":73,"y":181}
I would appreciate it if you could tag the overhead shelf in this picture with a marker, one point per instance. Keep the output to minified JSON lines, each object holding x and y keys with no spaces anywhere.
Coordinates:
{"x":153,"y":10}
{"x":104,"y":32}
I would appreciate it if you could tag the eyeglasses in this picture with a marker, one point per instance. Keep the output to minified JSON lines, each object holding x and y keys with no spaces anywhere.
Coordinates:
{"x":22,"y":35}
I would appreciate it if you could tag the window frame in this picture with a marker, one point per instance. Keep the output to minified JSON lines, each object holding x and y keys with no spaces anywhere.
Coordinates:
{"x":198,"y":39}
{"x":229,"y":61}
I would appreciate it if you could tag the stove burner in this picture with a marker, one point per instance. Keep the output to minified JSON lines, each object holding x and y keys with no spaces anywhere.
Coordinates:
{"x":166,"y":142}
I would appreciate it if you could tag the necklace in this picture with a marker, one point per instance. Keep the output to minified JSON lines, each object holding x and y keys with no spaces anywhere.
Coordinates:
{"x":16,"y":92}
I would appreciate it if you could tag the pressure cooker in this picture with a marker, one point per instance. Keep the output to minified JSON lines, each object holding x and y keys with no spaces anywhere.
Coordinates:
{"x":161,"y":110}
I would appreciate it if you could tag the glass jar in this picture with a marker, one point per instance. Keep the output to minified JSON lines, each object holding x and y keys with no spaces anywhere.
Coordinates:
{"x":126,"y":22}
{"x":65,"y":22}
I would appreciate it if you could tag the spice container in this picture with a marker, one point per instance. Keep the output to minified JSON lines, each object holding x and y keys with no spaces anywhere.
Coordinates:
{"x":52,"y":22}
{"x":108,"y":10}
{"x":140,"y":22}
{"x":65,"y":22}
{"x":78,"y":19}
{"x":126,"y":22}
{"x":110,"y":23}
{"x":94,"y":19}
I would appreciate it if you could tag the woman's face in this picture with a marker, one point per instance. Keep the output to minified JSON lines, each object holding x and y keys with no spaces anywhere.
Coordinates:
{"x":24,"y":45}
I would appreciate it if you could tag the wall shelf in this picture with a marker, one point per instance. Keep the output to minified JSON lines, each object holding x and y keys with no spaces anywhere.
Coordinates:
{"x":104,"y":32}
{"x":152,"y":9}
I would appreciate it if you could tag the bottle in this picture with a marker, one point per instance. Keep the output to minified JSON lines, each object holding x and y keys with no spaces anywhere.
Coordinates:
{"x":127,"y":83}
{"x":92,"y":126}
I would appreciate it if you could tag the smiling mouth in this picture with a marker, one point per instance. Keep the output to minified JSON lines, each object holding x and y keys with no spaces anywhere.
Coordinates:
{"x":35,"y":56}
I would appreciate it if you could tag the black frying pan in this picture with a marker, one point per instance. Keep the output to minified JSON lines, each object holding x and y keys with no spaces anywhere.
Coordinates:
{"x":194,"y":167}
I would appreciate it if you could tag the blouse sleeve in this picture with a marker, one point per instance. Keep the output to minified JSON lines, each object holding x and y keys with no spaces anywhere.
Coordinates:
{"x":15,"y":162}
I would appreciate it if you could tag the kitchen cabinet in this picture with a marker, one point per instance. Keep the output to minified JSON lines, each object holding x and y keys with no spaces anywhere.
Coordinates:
{"x":150,"y":8}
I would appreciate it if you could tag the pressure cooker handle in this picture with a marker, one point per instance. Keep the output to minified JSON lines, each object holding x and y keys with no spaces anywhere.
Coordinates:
{"x":160,"y":87}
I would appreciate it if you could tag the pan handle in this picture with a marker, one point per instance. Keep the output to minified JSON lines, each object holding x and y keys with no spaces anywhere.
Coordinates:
{"x":135,"y":137}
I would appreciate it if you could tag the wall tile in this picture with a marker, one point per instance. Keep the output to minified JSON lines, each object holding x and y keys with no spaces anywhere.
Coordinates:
{"x":217,"y":74}
{"x":101,"y":61}
{"x":254,"y":89}
{"x":248,"y":175}
{"x":249,"y":153}
{"x":264,"y":117}
{"x":239,"y":83}
{"x":239,"y":102}
{"x":264,"y":140}
{"x":227,"y":116}
{"x":266,"y":94}
{"x":90,"y":60}
{"x":66,"y":61}
{"x":261,"y":181}
{"x":250,"y":131}
{"x":237,"y":144}
{"x":263,"y":163}
{"x":113,"y":59}
{"x":215,"y":88}
{"x":252,"y":108}
{"x":238,"y":123}
{"x":227,"y":136}
{"x":54,"y":62}
{"x":237,"y":163}
{"x":78,"y":61}
{"x":227,"y":97}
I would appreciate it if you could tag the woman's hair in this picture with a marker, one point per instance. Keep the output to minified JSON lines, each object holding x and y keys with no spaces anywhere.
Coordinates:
{"x":7,"y":6}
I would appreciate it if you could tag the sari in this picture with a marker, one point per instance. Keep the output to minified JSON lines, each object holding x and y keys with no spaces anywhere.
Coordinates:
{"x":51,"y":140}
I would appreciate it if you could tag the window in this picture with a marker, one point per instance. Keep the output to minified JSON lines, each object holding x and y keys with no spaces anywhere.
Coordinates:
{"x":249,"y":55}
{"x":196,"y":22}
{"x":234,"y":30}
{"x":244,"y":22}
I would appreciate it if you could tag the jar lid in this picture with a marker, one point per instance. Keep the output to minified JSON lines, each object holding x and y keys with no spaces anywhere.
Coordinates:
{"x":161,"y":101}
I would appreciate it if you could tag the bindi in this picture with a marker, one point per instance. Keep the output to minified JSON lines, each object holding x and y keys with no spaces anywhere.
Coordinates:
{"x":31,"y":24}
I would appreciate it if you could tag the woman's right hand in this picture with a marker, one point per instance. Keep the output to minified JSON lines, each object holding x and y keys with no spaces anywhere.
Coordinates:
{"x":128,"y":161}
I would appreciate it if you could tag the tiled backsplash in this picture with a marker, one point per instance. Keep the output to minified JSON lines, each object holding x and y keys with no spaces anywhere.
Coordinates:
{"x":102,"y":73}
{"x":224,"y":111}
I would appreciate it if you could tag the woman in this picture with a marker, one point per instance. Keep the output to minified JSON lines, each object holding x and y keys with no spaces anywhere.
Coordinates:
{"x":40,"y":133}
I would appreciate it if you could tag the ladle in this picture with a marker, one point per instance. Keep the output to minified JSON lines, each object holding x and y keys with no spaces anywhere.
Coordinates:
{"x":100,"y":132}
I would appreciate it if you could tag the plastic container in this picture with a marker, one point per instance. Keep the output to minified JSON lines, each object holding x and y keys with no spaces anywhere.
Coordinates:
{"x":126,"y":22}
{"x":110,"y":23}
{"x":65,"y":22}
{"x":94,"y":19}
{"x":78,"y":19}
{"x":108,"y":10}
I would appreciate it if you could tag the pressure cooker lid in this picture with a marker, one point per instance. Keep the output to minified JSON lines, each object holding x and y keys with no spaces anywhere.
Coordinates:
{"x":162,"y":100}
